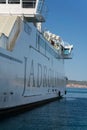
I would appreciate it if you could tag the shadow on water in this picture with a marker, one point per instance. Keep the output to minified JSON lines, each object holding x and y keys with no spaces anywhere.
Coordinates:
{"x":21,"y":109}
{"x":69,"y":113}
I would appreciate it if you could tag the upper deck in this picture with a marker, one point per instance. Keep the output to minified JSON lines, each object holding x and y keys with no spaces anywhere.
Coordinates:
{"x":33,"y":10}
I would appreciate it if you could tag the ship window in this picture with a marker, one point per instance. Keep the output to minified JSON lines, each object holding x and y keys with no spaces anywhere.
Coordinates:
{"x":2,"y":1}
{"x":14,"y":1}
{"x":28,"y":3}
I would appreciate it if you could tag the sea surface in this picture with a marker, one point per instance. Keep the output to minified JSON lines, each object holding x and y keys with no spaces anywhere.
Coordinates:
{"x":69,"y":113}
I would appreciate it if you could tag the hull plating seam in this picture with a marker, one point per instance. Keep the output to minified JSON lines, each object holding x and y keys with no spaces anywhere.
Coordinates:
{"x":33,"y":95}
{"x":10,"y":58}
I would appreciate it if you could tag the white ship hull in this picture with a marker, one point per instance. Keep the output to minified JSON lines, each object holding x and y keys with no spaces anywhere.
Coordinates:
{"x":31,"y":72}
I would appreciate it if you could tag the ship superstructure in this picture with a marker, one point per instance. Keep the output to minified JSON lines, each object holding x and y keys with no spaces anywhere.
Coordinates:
{"x":31,"y":60}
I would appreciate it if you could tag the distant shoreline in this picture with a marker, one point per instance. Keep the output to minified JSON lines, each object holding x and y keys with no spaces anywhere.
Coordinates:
{"x":76,"y":86}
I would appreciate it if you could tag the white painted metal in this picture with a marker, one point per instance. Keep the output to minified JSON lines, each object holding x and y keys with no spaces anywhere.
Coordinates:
{"x":31,"y":69}
{"x":27,"y":74}
{"x":23,"y":8}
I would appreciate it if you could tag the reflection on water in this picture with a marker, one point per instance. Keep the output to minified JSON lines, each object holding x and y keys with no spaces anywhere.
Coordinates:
{"x":69,"y":113}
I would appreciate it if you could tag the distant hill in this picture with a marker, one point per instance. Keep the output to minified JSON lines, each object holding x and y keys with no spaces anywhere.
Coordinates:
{"x":77,"y":82}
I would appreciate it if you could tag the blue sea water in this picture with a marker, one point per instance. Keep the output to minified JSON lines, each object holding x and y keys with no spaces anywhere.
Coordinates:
{"x":69,"y":113}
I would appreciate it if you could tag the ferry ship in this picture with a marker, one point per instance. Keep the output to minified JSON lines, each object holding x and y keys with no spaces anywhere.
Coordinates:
{"x":31,"y":58}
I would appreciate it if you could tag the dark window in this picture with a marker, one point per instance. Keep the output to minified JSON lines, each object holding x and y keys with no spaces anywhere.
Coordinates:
{"x":2,"y":1}
{"x":14,"y":1}
{"x":28,"y":3}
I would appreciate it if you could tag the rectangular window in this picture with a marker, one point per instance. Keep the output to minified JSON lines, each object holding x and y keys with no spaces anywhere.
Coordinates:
{"x":2,"y":1}
{"x":28,"y":3}
{"x":14,"y":1}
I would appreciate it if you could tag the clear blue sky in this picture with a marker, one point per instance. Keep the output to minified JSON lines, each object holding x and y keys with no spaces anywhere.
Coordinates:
{"x":68,"y":19}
